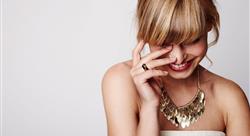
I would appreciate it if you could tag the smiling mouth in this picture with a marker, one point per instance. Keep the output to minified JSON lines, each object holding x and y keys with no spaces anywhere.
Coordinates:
{"x":180,"y":67}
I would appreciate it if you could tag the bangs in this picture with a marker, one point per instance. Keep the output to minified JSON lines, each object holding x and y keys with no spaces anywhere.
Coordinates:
{"x":187,"y":24}
{"x":177,"y":21}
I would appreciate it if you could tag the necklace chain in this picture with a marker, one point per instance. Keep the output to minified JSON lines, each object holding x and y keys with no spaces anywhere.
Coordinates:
{"x":184,"y":115}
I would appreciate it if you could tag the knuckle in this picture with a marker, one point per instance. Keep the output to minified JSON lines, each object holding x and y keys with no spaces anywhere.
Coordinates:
{"x":160,"y":61}
{"x":158,"y":72}
{"x":151,"y":72}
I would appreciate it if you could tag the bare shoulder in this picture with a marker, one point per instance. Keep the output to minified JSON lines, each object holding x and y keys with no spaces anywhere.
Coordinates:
{"x":227,"y":91}
{"x":234,"y":104}
{"x":117,"y":81}
{"x":119,"y":68}
{"x":120,"y":99}
{"x":118,"y":73}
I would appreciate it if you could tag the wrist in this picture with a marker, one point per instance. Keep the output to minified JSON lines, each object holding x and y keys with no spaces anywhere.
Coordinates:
{"x":150,"y":106}
{"x":149,"y":112}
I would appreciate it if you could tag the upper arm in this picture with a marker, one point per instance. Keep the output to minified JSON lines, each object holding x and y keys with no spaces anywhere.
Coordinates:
{"x":237,"y":111}
{"x":119,"y":97}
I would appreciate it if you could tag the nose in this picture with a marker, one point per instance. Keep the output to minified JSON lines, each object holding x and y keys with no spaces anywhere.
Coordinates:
{"x":179,"y":53}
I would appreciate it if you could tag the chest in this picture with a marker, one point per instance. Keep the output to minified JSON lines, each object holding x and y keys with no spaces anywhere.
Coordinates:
{"x":211,"y":119}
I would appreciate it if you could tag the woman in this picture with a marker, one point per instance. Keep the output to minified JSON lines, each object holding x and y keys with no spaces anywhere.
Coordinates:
{"x":167,"y":92}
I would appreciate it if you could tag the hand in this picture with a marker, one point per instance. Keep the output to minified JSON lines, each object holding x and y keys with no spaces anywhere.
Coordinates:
{"x":145,"y":81}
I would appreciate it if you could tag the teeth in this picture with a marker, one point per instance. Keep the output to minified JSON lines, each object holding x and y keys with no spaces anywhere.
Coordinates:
{"x":178,"y":65}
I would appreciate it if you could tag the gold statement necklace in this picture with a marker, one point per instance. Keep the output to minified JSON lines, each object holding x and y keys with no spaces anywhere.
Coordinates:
{"x":184,"y":115}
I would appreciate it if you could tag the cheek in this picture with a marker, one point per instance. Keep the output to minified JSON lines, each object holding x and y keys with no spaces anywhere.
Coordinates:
{"x":198,"y":50}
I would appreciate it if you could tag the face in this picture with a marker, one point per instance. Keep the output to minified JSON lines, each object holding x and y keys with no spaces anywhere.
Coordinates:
{"x":187,"y":56}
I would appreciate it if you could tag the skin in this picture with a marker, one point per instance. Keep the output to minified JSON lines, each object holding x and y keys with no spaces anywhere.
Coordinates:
{"x":131,"y":95}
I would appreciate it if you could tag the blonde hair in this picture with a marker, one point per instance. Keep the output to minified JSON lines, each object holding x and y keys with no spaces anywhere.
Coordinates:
{"x":162,"y":22}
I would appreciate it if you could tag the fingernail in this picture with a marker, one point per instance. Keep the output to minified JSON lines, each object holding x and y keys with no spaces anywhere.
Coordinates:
{"x":168,"y":48}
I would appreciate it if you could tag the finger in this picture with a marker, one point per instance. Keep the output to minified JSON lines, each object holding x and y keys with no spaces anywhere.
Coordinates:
{"x":145,"y":76}
{"x":153,"y":64}
{"x":158,"y":62}
{"x":136,"y":52}
{"x":154,"y":55}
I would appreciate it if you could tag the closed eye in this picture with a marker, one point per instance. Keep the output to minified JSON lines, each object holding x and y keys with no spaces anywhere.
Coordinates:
{"x":196,"y":40}
{"x":193,"y":42}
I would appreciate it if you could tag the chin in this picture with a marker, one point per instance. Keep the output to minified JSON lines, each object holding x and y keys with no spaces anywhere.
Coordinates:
{"x":180,"y":75}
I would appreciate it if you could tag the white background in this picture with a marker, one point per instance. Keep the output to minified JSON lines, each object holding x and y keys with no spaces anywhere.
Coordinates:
{"x":55,"y":52}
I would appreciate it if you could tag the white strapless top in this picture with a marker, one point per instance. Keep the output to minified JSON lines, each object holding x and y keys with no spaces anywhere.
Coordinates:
{"x":191,"y":133}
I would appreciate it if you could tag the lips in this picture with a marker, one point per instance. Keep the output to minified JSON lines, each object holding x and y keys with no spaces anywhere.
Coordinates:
{"x":180,"y":67}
